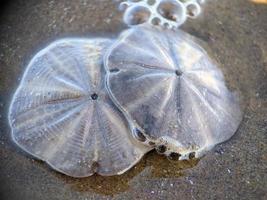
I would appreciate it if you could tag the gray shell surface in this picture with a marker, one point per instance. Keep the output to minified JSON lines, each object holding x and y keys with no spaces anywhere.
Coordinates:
{"x":62,"y":114}
{"x":171,"y":91}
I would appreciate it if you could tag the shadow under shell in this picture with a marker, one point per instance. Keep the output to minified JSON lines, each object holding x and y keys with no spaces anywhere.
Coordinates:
{"x":173,"y":92}
{"x":62,"y":114}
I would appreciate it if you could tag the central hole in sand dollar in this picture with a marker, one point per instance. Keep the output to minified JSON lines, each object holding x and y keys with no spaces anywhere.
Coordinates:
{"x":178,"y":72}
{"x":94,"y":96}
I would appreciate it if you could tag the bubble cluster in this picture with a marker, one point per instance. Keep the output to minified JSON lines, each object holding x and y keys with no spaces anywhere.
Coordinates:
{"x":167,"y":13}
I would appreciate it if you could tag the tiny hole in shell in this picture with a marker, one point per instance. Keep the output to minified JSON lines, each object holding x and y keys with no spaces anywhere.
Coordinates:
{"x":192,"y":155}
{"x":94,"y":96}
{"x":174,"y":156}
{"x":114,"y":70}
{"x":140,"y":135}
{"x":152,"y":143}
{"x":161,"y":149}
{"x":178,"y":72}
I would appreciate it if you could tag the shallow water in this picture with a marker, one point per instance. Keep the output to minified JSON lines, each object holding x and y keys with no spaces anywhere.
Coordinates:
{"x":235,"y":32}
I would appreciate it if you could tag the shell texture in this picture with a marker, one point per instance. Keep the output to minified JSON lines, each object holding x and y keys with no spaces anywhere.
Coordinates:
{"x":172,"y":92}
{"x":167,"y":13}
{"x":62,"y":114}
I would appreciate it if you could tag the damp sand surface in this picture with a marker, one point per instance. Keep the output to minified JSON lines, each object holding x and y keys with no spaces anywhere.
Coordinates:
{"x":235,"y":32}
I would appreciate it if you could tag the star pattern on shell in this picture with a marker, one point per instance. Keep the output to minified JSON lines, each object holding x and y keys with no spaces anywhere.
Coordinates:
{"x":172,"y":91}
{"x":62,"y":114}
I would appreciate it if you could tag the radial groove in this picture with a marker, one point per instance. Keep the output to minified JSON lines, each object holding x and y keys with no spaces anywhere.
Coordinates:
{"x":198,"y":113}
{"x":59,"y":113}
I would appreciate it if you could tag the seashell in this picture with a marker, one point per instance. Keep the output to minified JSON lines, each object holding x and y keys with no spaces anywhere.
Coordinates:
{"x":166,"y":13}
{"x":172,"y":91}
{"x":62,"y":114}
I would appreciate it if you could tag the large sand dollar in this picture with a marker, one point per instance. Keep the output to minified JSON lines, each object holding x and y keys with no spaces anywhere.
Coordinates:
{"x":171,"y":90}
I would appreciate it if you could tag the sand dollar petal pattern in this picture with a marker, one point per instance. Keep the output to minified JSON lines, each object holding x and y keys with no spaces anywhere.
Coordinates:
{"x":171,"y":90}
{"x":62,"y":114}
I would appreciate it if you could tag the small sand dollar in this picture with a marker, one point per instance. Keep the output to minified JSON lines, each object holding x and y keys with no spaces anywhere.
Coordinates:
{"x":171,"y":90}
{"x":62,"y":114}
